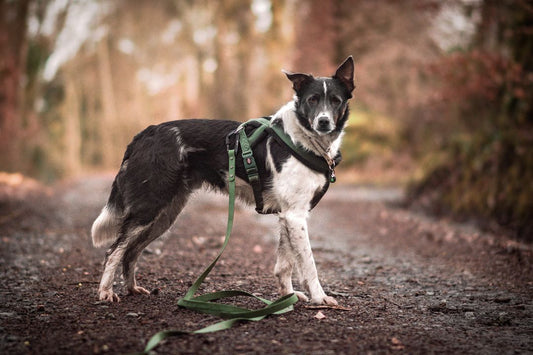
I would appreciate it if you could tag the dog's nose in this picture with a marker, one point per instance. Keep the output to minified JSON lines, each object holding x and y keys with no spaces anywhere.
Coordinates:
{"x":323,"y":122}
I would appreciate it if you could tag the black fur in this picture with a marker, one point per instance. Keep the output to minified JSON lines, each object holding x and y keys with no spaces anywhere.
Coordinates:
{"x":152,"y":174}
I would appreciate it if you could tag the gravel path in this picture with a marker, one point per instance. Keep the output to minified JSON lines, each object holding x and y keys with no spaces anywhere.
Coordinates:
{"x":409,"y":283}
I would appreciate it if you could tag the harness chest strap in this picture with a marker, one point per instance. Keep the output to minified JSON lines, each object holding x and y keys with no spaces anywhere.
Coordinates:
{"x":323,"y":165}
{"x":251,"y":170}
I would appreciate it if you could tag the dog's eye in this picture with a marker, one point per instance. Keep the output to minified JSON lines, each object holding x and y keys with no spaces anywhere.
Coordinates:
{"x":335,"y":100}
{"x":313,"y":100}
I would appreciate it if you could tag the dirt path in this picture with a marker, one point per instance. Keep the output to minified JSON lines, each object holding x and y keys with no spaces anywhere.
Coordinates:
{"x":412,"y":284}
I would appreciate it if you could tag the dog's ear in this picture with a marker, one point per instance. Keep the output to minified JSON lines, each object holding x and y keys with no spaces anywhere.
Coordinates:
{"x":298,"y":79}
{"x":345,"y":73}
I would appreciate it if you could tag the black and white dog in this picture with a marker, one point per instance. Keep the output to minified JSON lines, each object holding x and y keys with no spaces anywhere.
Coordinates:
{"x":165,"y":163}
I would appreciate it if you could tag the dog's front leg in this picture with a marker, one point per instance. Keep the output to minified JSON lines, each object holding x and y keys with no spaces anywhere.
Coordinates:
{"x":294,"y":239}
{"x":285,"y":264}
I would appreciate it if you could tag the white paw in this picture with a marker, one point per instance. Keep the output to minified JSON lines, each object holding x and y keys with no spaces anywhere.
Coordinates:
{"x":327,"y":300}
{"x":138,"y":290}
{"x":301,"y":296}
{"x":108,"y":295}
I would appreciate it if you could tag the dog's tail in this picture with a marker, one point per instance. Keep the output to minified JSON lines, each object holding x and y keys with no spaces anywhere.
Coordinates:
{"x":106,"y":226}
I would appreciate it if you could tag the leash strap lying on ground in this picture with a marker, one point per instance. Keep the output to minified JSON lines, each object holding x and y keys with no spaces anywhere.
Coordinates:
{"x":205,"y":304}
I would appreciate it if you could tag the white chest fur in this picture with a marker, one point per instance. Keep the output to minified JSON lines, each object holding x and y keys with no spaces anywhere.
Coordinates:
{"x":294,"y":187}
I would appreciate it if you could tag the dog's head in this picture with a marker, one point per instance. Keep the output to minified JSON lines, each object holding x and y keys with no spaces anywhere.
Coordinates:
{"x":322,"y":103}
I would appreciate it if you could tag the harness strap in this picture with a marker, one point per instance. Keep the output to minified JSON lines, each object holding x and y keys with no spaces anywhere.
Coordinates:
{"x":264,"y":128}
{"x":251,"y":168}
{"x":309,"y":159}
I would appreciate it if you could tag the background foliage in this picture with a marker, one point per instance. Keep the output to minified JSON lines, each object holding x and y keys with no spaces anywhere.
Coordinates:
{"x":443,"y":98}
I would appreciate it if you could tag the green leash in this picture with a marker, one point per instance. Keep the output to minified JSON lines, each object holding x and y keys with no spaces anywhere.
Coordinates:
{"x":205,"y":304}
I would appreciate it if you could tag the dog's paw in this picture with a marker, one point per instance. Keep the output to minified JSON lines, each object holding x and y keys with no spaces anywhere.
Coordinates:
{"x":108,"y":295}
{"x":138,"y":290}
{"x":301,"y":296}
{"x":327,"y":300}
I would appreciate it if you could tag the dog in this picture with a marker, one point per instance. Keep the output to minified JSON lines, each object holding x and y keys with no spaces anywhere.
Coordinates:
{"x":165,"y":163}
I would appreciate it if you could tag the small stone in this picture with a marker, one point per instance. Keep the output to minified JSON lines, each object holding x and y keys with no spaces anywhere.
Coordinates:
{"x":132,"y":315}
{"x":504,"y":318}
{"x":12,"y":338}
{"x":502,"y":299}
{"x":110,"y":316}
{"x":470,"y":315}
{"x":8,"y":314}
{"x":438,"y":307}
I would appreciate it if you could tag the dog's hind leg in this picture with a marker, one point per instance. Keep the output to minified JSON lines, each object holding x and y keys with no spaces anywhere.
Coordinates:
{"x":142,"y":236}
{"x":113,"y":257}
{"x":136,"y":231}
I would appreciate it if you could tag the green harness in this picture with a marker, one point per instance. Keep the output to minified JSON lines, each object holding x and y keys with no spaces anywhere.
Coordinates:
{"x":204,"y":303}
{"x":264,"y":128}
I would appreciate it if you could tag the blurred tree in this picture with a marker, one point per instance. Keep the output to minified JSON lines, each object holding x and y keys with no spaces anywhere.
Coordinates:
{"x":317,"y":36}
{"x":484,"y":126}
{"x":234,"y":48}
{"x":391,"y":41}
{"x":108,"y":101}
{"x":100,"y":71}
{"x":13,"y":18}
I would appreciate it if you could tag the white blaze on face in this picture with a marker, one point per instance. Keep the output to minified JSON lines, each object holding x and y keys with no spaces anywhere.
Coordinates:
{"x":325,"y":112}
{"x":325,"y":108}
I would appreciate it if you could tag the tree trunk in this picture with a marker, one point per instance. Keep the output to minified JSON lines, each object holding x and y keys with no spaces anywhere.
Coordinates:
{"x":72,"y":138}
{"x":109,"y":114}
{"x":13,"y":15}
{"x":221,"y":95}
{"x":316,"y":37}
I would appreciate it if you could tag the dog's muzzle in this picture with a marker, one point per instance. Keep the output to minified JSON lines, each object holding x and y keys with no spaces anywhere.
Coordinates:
{"x":323,"y":124}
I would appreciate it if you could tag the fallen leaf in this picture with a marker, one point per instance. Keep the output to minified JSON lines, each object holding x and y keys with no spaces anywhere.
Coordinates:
{"x":199,"y":241}
{"x":396,"y":344}
{"x":320,"y":315}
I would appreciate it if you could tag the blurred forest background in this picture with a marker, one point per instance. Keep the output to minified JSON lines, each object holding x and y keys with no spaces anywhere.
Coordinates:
{"x":443,"y":103}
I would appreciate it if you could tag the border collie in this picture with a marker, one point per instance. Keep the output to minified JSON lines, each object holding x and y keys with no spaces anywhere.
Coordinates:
{"x":166,"y":162}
